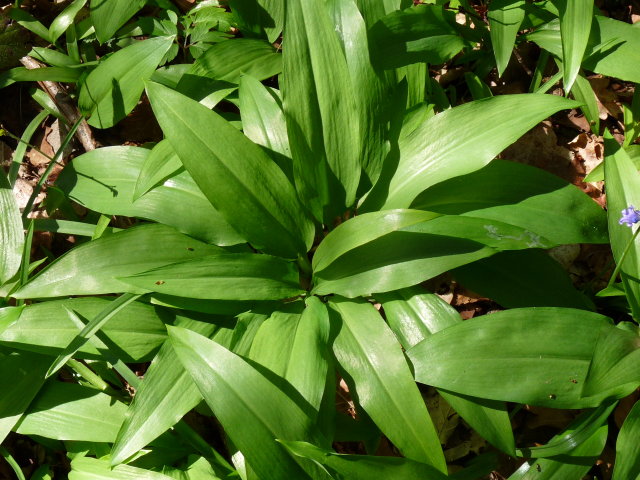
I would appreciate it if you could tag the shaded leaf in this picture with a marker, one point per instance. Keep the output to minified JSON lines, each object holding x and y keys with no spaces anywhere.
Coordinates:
{"x":505,"y":17}
{"x":11,"y":233}
{"x":109,"y":15}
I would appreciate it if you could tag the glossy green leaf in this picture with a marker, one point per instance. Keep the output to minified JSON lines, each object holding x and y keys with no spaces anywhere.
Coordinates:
{"x":322,"y":122}
{"x":260,"y":15}
{"x":363,"y":467}
{"x":92,"y":268}
{"x":528,"y":278}
{"x":613,"y":48}
{"x":423,"y":33}
{"x":25,"y":19}
{"x":583,"y":93}
{"x":572,"y":468}
{"x":161,"y":163}
{"x":378,"y":372}
{"x":237,"y":177}
{"x":373,"y":95}
{"x":165,"y":395}
{"x":262,"y":116}
{"x":66,"y":411}
{"x":65,"y":19}
{"x":294,"y":346}
{"x":627,"y":448}
{"x":228,"y":61}
{"x":87,"y":468}
{"x":105,"y":180}
{"x":113,"y":89}
{"x":526,"y":200}
{"x":505,"y":17}
{"x":623,"y":190}
{"x":580,"y":360}
{"x":21,"y":377}
{"x":109,"y":15}
{"x":89,"y":330}
{"x":53,"y":74}
{"x":409,"y":247}
{"x":575,"y":25}
{"x":137,"y":331}
{"x":227,"y":276}
{"x":438,"y":151}
{"x":414,"y":315}
{"x":251,"y":409}
{"x":11,"y":232}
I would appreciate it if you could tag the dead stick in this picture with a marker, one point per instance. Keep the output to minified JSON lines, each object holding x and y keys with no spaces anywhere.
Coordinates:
{"x":65,"y":104}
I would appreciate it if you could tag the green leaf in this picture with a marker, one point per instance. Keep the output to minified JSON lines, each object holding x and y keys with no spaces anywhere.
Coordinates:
{"x":251,"y":409}
{"x":414,"y":315}
{"x":583,"y":93}
{"x":575,"y":25}
{"x":237,"y":177}
{"x":11,"y":232}
{"x":438,"y":150}
{"x":228,"y":61}
{"x":525,"y":200}
{"x":65,"y":411}
{"x":165,"y":395}
{"x":580,"y":361}
{"x":113,"y":89}
{"x":570,"y":468}
{"x":623,"y":190}
{"x":363,"y":467}
{"x":92,"y":268}
{"x":89,"y":330}
{"x":105,"y":180}
{"x":528,"y":278}
{"x":258,"y":15}
{"x":627,"y":448}
{"x":377,"y":369}
{"x":322,"y":122}
{"x":409,"y":246}
{"x":423,"y":33}
{"x":137,"y":331}
{"x":25,"y":19}
{"x":53,"y":74}
{"x":161,"y":163}
{"x":87,"y":468}
{"x":262,"y":116}
{"x":109,"y":15}
{"x":505,"y":17}
{"x":65,"y":19}
{"x":228,"y":276}
{"x":21,"y":377}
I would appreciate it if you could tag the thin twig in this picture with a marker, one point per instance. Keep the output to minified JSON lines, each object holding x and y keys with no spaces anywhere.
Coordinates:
{"x":65,"y":104}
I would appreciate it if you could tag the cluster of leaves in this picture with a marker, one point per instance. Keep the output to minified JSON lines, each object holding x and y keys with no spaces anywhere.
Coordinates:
{"x":267,"y":238}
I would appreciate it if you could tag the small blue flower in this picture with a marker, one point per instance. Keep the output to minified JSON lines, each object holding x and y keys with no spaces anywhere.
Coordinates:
{"x":630,"y":216}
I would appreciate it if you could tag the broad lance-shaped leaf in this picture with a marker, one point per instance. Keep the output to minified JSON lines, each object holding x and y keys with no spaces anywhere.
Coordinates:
{"x":575,"y":26}
{"x":237,"y":177}
{"x":111,"y":91}
{"x":105,"y":180}
{"x":623,"y":191}
{"x":162,"y":162}
{"x":109,"y":15}
{"x":92,"y":268}
{"x":21,"y":377}
{"x":137,"y":331}
{"x":377,"y":369}
{"x":65,"y":411}
{"x":320,"y":110}
{"x":165,"y":395}
{"x":383,"y":251}
{"x":363,"y":467}
{"x":11,"y":234}
{"x":552,"y":357}
{"x":505,"y":17}
{"x":532,"y":199}
{"x":251,"y":409}
{"x":84,"y":468}
{"x":413,"y":315}
{"x":627,"y":447}
{"x":228,"y":276}
{"x":440,"y":149}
